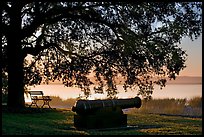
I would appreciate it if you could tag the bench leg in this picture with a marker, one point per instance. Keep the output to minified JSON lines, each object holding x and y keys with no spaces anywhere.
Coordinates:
{"x":34,"y":103}
{"x":46,"y":102}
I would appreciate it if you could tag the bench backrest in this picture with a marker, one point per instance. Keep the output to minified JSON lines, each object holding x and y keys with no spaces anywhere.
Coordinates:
{"x":36,"y":93}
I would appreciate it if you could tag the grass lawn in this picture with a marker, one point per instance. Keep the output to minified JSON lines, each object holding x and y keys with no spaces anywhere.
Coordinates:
{"x":60,"y":122}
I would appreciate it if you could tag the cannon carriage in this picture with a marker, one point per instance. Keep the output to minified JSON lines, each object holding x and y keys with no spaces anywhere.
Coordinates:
{"x":103,"y":113}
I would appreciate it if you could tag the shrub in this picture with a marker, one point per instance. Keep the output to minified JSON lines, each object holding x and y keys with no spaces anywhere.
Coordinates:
{"x":195,"y":102}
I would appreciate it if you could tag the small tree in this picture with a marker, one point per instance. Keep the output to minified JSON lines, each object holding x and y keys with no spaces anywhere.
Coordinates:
{"x":69,"y":40}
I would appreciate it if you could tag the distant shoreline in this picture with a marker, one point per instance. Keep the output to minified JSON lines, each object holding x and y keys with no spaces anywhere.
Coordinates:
{"x":184,"y":84}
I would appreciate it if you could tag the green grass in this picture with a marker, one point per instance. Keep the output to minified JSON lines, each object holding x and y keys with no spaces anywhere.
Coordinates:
{"x":60,"y":122}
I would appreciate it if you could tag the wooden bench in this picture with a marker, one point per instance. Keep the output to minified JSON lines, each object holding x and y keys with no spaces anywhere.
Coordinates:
{"x":37,"y":96}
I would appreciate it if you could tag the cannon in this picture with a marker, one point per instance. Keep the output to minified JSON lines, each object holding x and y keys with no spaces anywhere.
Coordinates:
{"x":103,"y":113}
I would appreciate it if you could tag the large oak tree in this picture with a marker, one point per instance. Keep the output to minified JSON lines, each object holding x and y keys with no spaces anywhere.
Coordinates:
{"x":69,"y":40}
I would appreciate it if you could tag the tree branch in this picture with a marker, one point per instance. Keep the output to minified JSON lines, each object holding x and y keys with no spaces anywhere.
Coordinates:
{"x":51,"y":16}
{"x":5,"y":29}
{"x":37,"y":49}
{"x":5,"y":7}
{"x":57,"y":13}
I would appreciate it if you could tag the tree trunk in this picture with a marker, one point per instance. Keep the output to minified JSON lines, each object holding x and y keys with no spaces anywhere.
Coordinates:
{"x":15,"y":61}
{"x":15,"y":81}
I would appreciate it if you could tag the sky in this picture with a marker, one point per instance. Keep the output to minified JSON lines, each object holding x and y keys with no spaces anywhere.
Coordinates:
{"x":194,"y":68}
{"x":194,"y":58}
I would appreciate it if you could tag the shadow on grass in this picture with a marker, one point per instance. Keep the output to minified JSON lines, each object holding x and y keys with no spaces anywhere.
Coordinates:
{"x":27,"y":110}
{"x":129,"y":127}
{"x":188,"y":116}
{"x":129,"y":130}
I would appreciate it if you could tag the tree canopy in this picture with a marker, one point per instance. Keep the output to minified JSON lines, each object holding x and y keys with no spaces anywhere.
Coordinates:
{"x":69,"y":40}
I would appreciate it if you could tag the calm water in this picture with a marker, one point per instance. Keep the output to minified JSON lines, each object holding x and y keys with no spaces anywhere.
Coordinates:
{"x":170,"y":91}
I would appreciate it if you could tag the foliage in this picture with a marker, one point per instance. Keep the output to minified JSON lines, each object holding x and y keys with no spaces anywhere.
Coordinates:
{"x":168,"y":106}
{"x":195,"y":102}
{"x":71,"y":40}
{"x":171,"y":106}
{"x":57,"y":102}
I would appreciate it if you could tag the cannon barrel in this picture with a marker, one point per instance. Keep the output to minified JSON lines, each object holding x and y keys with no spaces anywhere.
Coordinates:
{"x":89,"y":106}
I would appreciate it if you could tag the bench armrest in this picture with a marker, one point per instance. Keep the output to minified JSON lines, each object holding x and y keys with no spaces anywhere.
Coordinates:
{"x":46,"y":97}
{"x":34,"y":97}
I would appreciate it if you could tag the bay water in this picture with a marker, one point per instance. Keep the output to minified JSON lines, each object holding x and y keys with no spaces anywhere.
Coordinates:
{"x":177,"y":91}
